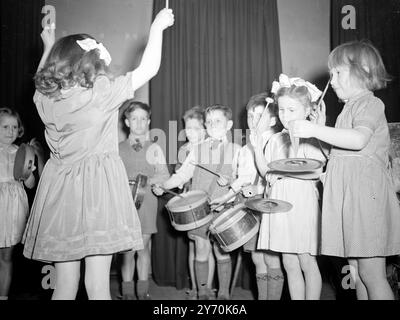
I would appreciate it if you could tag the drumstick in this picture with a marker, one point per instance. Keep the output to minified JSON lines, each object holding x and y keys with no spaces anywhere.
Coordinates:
{"x":232,"y":196}
{"x":324,"y":93}
{"x":269,"y":101}
{"x":168,"y":191}
{"x":204,"y":168}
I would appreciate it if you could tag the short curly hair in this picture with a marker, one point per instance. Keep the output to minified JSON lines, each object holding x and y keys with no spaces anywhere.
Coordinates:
{"x":4,"y":111}
{"x":68,"y":65}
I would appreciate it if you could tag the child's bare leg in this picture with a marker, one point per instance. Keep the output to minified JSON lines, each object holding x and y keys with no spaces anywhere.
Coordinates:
{"x":201,"y":264}
{"x":97,"y":277}
{"x":6,"y":266}
{"x":312,"y":276}
{"x":295,"y":276}
{"x":275,"y":276}
{"x":224,"y":269}
{"x":361,"y":290}
{"x":67,"y":280}
{"x":143,"y":266}
{"x":128,"y":266}
{"x":373,"y":274}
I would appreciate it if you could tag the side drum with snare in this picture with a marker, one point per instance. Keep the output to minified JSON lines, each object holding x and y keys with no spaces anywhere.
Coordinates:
{"x":189,"y":211}
{"x":234,"y":227}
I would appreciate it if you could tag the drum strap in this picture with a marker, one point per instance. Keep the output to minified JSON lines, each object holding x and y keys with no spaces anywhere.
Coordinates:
{"x":213,"y":184}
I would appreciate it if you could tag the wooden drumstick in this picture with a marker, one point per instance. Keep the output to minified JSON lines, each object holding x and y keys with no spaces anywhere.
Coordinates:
{"x":265,"y":112}
{"x":324,"y":93}
{"x":168,"y":191}
{"x":232,"y":196}
{"x":204,"y":168}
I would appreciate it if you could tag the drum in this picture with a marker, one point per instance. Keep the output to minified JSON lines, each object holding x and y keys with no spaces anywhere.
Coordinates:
{"x":24,"y":162}
{"x":189,"y":211}
{"x":234,"y":227}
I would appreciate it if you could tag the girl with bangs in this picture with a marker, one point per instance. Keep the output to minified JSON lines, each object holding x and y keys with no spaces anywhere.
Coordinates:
{"x":360,"y":213}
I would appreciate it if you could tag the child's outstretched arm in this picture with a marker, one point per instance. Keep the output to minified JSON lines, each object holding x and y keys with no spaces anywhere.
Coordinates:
{"x":151,"y":59}
{"x":352,"y":139}
{"x":48,"y":38}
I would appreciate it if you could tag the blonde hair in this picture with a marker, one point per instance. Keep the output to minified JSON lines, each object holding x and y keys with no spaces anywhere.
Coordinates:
{"x":365,"y":63}
{"x":12,"y":113}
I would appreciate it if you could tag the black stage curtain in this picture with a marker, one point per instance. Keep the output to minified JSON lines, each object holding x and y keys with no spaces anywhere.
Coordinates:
{"x":21,"y":49}
{"x":379,"y":22}
{"x":218,"y":51}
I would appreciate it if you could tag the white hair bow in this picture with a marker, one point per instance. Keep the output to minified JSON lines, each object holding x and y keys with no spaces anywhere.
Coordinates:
{"x":285,"y":81}
{"x":89,"y":44}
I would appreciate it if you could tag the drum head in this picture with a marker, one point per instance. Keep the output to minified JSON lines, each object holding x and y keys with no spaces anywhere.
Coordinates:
{"x":24,"y":162}
{"x":187,"y":201}
{"x":295,"y":165}
{"x":266,"y":206}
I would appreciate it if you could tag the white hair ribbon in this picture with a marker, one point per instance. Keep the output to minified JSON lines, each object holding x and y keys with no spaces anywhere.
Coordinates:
{"x":89,"y":44}
{"x":285,"y":81}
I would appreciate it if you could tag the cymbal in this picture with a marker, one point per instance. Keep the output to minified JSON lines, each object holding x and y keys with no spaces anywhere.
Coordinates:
{"x":295,"y":165}
{"x":268,"y":205}
{"x":24,"y":162}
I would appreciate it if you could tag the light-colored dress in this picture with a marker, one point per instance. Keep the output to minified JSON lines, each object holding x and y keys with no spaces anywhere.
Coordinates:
{"x":298,"y":230}
{"x":361,"y":214}
{"x":14,"y":206}
{"x":83,"y":205}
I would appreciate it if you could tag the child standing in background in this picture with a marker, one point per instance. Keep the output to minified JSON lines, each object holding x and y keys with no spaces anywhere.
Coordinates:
{"x":360,"y":212}
{"x":141,"y":156}
{"x":294,"y":233}
{"x":14,"y":207}
{"x":195,"y":134}
{"x":83,"y":207}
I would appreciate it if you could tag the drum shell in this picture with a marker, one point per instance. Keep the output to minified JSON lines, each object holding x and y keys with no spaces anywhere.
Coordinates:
{"x":192,"y":217}
{"x":235,"y":227}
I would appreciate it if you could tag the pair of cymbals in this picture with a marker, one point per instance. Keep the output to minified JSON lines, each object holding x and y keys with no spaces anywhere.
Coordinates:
{"x":268,"y":206}
{"x":295,"y":165}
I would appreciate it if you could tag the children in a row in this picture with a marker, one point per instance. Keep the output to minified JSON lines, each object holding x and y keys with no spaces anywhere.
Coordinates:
{"x":360,"y":217}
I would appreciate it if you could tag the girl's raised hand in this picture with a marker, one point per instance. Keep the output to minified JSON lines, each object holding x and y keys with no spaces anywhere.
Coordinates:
{"x":164,"y":19}
{"x":48,"y":36}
